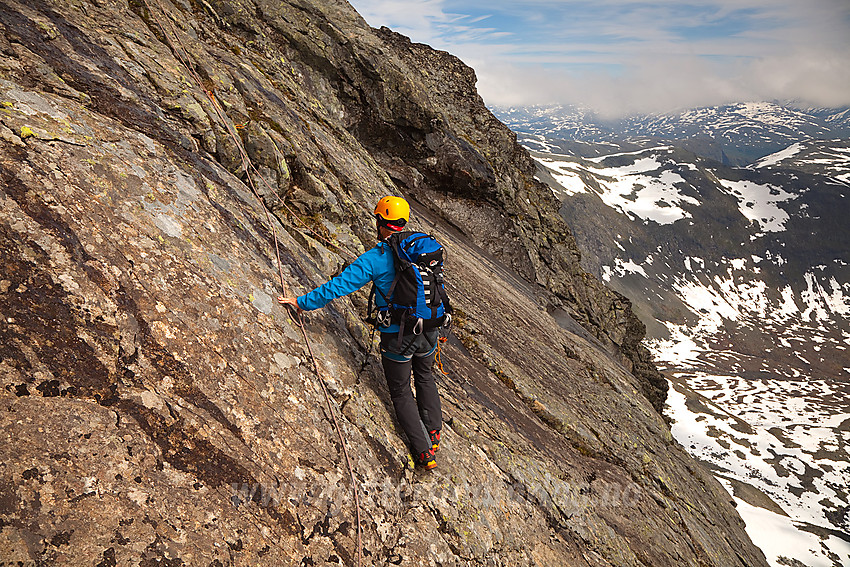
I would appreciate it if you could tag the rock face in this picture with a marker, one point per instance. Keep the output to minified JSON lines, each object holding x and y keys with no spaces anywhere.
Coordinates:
{"x":160,"y":408}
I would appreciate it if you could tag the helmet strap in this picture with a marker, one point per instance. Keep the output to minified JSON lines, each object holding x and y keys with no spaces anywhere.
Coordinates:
{"x":393,"y":225}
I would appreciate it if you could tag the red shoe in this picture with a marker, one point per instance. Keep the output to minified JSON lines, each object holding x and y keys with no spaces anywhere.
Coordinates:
{"x":435,"y":439}
{"x":426,"y":460}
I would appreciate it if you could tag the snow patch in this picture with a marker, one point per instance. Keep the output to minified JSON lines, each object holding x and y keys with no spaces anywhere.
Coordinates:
{"x":691,"y":261}
{"x":680,"y":350}
{"x":778,"y":538}
{"x":788,"y":307}
{"x":565,"y":173}
{"x":819,"y":303}
{"x":773,"y":159}
{"x":771,"y":434}
{"x":642,"y":189}
{"x":760,"y":203}
{"x":722,"y":298}
{"x":634,"y":153}
{"x":621,"y":268}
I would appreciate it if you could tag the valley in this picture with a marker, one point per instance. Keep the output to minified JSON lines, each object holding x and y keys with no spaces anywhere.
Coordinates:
{"x":741,"y":276}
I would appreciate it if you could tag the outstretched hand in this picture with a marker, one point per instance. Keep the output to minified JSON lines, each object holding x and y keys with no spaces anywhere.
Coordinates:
{"x":292,"y":301}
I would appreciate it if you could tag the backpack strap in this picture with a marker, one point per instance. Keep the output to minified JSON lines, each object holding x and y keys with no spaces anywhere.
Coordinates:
{"x":400,"y":263}
{"x":371,"y":306}
{"x":444,"y":297}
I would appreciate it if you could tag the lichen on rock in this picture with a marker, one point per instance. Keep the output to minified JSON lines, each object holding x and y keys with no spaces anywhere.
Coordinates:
{"x":158,"y":406}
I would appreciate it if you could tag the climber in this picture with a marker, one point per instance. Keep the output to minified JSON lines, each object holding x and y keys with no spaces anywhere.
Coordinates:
{"x":420,"y":417}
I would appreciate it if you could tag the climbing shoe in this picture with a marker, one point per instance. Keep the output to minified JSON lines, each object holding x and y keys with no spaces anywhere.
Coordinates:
{"x":435,"y":439}
{"x":426,"y":460}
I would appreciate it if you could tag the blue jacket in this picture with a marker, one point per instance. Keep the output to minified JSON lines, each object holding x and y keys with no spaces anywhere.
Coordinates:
{"x":375,"y":265}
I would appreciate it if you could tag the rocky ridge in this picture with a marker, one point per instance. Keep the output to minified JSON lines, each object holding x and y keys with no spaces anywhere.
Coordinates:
{"x":159,"y":407}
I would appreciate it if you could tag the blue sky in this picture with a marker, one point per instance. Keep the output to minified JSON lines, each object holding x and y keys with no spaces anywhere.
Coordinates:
{"x":623,"y":56}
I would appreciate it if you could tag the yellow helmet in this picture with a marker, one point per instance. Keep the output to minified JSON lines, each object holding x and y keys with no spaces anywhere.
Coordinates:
{"x":392,"y":212}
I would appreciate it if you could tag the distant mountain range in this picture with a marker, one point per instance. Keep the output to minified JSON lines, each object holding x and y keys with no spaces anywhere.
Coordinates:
{"x":733,"y":134}
{"x":742,"y":275}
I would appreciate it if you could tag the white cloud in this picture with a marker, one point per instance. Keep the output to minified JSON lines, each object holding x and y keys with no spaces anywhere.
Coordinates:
{"x":622,"y":56}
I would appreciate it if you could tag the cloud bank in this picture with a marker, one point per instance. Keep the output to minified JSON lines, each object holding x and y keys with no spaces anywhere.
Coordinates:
{"x":627,"y":56}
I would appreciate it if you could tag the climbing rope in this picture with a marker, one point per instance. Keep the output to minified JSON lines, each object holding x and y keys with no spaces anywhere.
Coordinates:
{"x":248,"y":167}
{"x":439,"y":358}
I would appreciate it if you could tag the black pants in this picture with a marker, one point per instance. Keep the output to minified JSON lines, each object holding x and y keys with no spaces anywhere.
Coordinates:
{"x":423,"y":414}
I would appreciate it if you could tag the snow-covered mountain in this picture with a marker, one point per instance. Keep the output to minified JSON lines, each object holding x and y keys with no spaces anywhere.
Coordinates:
{"x":830,"y":158}
{"x":742,"y":275}
{"x":734,"y":134}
